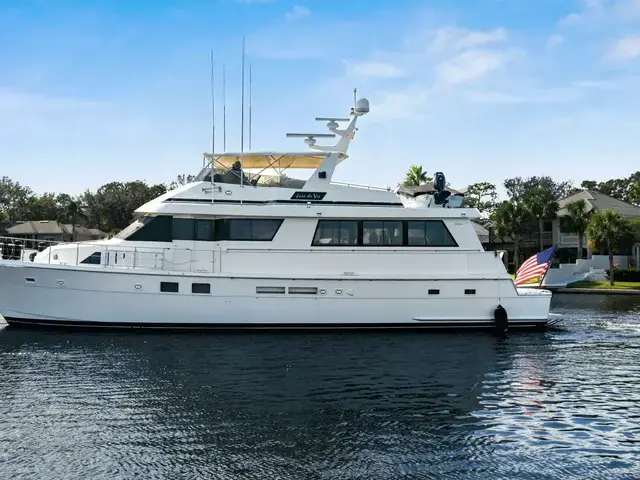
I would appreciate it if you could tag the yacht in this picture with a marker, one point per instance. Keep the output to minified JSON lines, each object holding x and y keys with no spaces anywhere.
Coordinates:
{"x":244,"y":246}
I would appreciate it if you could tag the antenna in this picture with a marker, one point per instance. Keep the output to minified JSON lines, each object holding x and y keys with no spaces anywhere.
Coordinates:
{"x":355,"y":93}
{"x":224,"y":108}
{"x":249,"y":107}
{"x":242,"y":122}
{"x":213,"y":109}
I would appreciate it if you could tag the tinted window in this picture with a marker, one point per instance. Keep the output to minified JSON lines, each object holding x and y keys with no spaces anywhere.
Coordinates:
{"x":437,"y":234}
{"x":239,"y":229}
{"x":93,"y":259}
{"x":247,"y":229}
{"x":334,"y":232}
{"x":171,"y":287}
{"x":204,"y":230}
{"x":183,"y":229}
{"x":154,"y":229}
{"x":200,"y":288}
{"x":432,"y":233}
{"x":264,"y":229}
{"x":382,"y":233}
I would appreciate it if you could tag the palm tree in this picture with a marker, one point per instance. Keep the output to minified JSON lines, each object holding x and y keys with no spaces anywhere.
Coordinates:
{"x":511,"y":218}
{"x":416,"y":176}
{"x":578,"y":220}
{"x":72,"y":212}
{"x":608,"y":230}
{"x":542,"y":206}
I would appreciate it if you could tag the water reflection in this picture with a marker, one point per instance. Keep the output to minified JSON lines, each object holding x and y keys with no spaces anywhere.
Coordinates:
{"x":342,"y":405}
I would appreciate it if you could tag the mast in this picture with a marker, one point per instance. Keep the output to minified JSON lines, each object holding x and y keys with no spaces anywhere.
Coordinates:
{"x":224,"y":108}
{"x":249,"y":107}
{"x":213,"y":108}
{"x":242,"y":121}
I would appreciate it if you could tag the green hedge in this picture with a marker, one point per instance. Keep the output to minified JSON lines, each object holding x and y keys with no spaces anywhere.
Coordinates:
{"x":630,"y":274}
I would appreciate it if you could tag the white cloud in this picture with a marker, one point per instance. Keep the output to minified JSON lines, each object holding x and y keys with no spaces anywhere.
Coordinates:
{"x":470,"y":65}
{"x":554,"y":40}
{"x":297,"y":12}
{"x":626,"y":48}
{"x":400,"y":104}
{"x":454,"y":38}
{"x":550,"y":95}
{"x":375,"y":69}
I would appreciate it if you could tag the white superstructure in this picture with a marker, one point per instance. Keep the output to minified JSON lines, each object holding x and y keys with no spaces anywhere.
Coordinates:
{"x":236,"y":248}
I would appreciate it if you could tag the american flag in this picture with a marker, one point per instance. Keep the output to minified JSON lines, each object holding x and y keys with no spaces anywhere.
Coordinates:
{"x":535,"y":266}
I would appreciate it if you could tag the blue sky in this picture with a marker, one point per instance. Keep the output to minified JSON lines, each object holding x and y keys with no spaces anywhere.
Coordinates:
{"x":92,"y":92}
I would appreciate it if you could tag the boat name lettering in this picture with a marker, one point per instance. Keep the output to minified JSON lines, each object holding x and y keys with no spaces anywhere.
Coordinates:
{"x":308,"y":195}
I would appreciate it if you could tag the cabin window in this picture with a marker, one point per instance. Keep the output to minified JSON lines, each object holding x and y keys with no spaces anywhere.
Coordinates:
{"x":434,"y":291}
{"x":247,"y":229}
{"x":204,"y":230}
{"x":470,"y":291}
{"x":336,"y":232}
{"x":429,"y":233}
{"x":153,"y":229}
{"x":169,"y":287}
{"x":93,"y":259}
{"x":382,"y":232}
{"x":183,"y":229}
{"x":201,"y":288}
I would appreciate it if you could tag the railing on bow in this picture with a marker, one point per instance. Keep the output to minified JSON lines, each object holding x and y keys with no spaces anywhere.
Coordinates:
{"x":16,"y":248}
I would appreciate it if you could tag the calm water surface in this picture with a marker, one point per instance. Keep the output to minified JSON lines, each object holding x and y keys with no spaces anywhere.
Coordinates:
{"x":558,"y":404}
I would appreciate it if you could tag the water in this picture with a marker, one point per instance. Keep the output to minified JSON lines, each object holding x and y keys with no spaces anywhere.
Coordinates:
{"x":558,"y":404}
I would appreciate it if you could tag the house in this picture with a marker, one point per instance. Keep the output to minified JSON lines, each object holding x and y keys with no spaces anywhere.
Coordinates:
{"x":52,"y":231}
{"x":595,"y":202}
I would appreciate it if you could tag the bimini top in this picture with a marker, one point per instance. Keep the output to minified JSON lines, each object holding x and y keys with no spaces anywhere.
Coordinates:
{"x":275,"y":160}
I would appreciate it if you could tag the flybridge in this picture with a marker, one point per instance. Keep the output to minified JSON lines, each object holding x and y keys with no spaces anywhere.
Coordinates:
{"x":323,"y":160}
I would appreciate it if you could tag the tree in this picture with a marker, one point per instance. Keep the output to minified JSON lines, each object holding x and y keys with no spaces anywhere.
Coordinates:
{"x":621,"y":188}
{"x":511,"y":218}
{"x":608,"y":230}
{"x":542,"y":206}
{"x":482,"y":196}
{"x":180,"y":181}
{"x":518,"y":187}
{"x":14,"y":200}
{"x":71,"y":213}
{"x":577,"y":221}
{"x":634,"y":193}
{"x":416,"y":176}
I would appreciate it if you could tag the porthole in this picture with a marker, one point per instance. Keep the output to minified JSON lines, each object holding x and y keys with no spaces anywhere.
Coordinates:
{"x":338,"y":292}
{"x":322,"y":291}
{"x":60,"y":282}
{"x":138,"y":286}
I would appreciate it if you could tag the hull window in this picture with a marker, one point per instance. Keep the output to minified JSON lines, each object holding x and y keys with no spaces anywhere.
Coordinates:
{"x":204,"y":288}
{"x":169,"y":287}
{"x":303,"y":290}
{"x":470,"y":291}
{"x":434,"y":292}
{"x":270,"y":290}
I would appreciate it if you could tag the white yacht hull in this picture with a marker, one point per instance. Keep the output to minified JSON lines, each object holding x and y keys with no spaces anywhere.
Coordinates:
{"x":55,"y":295}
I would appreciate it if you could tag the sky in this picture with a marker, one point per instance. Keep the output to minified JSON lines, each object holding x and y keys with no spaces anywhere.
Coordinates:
{"x":482,"y":90}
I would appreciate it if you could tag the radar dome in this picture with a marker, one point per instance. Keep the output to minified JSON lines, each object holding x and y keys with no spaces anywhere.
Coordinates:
{"x":362,"y":106}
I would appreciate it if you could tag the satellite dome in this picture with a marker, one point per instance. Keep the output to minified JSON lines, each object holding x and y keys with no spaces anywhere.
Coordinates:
{"x":362,"y":106}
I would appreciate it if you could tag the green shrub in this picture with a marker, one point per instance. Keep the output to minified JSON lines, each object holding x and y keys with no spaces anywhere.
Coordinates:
{"x":625,"y":275}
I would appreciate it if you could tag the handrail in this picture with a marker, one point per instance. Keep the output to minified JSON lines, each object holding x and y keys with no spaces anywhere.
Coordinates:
{"x":360,"y":185}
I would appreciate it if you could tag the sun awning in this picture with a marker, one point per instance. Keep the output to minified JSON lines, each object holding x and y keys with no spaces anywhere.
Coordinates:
{"x":270,"y":159}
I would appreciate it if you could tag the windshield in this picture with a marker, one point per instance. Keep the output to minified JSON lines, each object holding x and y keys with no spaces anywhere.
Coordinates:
{"x":134,"y":227}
